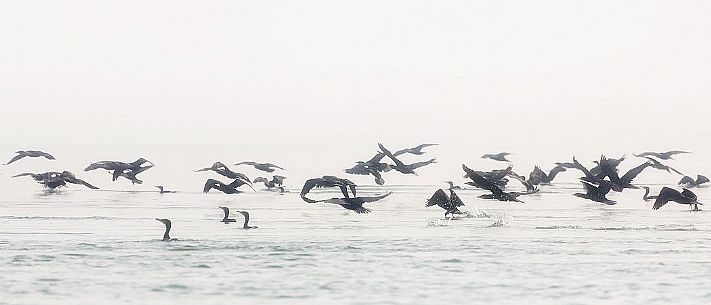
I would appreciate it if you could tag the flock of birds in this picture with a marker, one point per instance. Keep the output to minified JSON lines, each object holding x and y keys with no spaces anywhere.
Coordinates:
{"x":597,"y":181}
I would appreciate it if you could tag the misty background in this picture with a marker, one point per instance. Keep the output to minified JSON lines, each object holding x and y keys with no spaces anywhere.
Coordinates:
{"x":313,"y":86}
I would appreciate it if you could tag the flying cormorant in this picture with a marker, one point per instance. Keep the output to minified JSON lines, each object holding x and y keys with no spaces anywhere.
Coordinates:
{"x":685,"y":197}
{"x":30,"y":153}
{"x":663,"y":155}
{"x":497,"y":157}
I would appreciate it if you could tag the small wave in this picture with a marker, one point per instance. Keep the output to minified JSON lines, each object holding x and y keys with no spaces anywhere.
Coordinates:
{"x":504,"y":220}
{"x":59,"y":217}
{"x":559,"y":227}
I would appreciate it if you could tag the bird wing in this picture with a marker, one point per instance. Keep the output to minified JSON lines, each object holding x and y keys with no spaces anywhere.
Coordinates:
{"x":398,"y":163}
{"x":75,"y":180}
{"x":274,"y":165}
{"x":582,"y":168}
{"x":417,"y":165}
{"x":676,"y":152}
{"x":701,"y":179}
{"x":454,"y":199}
{"x":522,"y":179}
{"x":689,"y":194}
{"x":314,"y":182}
{"x":686,"y":180}
{"x":15,"y":158}
{"x":210,"y":184}
{"x":376,"y":159}
{"x":480,"y":181}
{"x":438,"y":198}
{"x":633,"y":173}
{"x":373,"y":198}
{"x":666,"y":195}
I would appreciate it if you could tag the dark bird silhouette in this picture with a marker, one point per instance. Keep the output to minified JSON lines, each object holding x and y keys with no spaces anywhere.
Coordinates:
{"x":30,"y":153}
{"x":646,"y":196}
{"x":223,"y":170}
{"x":596,"y":188}
{"x":607,"y":168}
{"x":53,"y":180}
{"x":266,"y":167}
{"x":530,"y":188}
{"x":685,"y":197}
{"x":225,"y":188}
{"x":538,"y":176}
{"x":354,"y":203}
{"x":328,"y":181}
{"x":663,"y":155}
{"x":401,"y":167}
{"x":497,"y":157}
{"x":371,"y":167}
{"x":452,"y":186}
{"x":166,"y":234}
{"x":246,"y":220}
{"x":450,"y":203}
{"x":658,"y":165}
{"x":690,"y":182}
{"x":497,"y":176}
{"x":483,"y":183}
{"x":597,"y":170}
{"x":417,"y":150}
{"x":275,"y":182}
{"x":226,"y":219}
{"x":163,"y":191}
{"x":122,"y":169}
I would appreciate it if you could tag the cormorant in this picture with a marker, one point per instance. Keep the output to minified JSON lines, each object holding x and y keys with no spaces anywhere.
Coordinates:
{"x":223,"y":170}
{"x":401,"y":167}
{"x":452,"y":186}
{"x":163,"y":191}
{"x":663,"y":155}
{"x":690,"y":182}
{"x":483,"y":183}
{"x":246,"y":220}
{"x":669,"y":194}
{"x":167,"y":223}
{"x":658,"y":165}
{"x":371,"y":167}
{"x":353,"y":203}
{"x":52,"y":180}
{"x":225,"y":188}
{"x":328,"y":181}
{"x":275,"y":182}
{"x":607,"y":167}
{"x":417,"y":150}
{"x":450,"y":203}
{"x":266,"y":167}
{"x":497,"y":157}
{"x":538,"y":176}
{"x":122,"y":169}
{"x":225,"y":219}
{"x":595,"y":186}
{"x":646,"y":196}
{"x":30,"y":153}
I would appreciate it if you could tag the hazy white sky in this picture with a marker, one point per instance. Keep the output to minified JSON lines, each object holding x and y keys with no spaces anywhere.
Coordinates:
{"x":314,"y":85}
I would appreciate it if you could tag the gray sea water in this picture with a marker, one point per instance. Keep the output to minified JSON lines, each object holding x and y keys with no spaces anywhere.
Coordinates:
{"x":104,"y":247}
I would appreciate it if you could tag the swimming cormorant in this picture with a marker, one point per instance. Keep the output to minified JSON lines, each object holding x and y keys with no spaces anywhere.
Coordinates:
{"x":167,"y":223}
{"x":685,"y":197}
{"x":163,"y":191}
{"x":225,"y":219}
{"x":646,"y":196}
{"x":246,"y":220}
{"x":30,"y":153}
